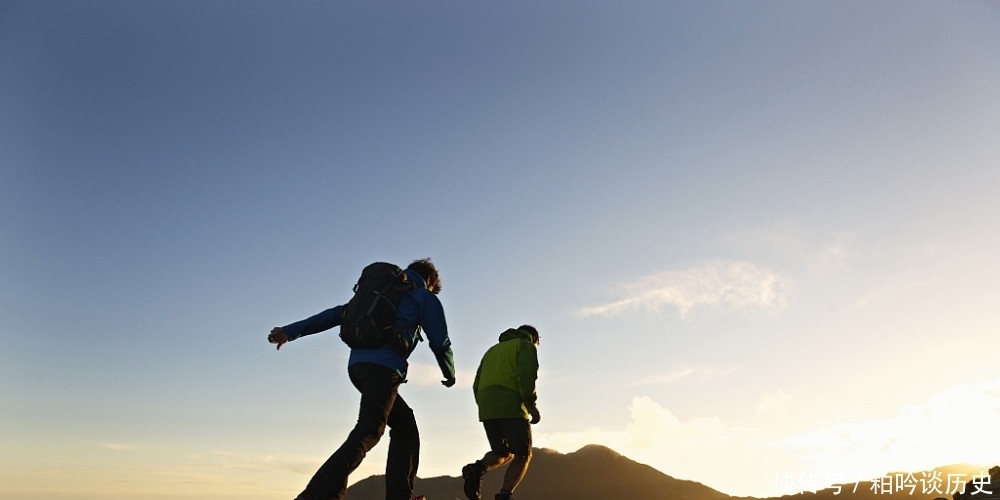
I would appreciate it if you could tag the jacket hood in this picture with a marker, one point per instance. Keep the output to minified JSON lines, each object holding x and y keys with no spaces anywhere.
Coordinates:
{"x":415,"y":278}
{"x":512,"y":334}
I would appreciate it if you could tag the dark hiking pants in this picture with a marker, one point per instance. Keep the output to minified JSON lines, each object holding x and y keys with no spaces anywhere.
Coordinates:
{"x":380,"y":406}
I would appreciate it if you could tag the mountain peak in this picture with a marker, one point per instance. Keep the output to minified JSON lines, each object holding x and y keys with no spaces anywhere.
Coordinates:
{"x":596,"y":471}
{"x":598,"y":450}
{"x":593,"y":471}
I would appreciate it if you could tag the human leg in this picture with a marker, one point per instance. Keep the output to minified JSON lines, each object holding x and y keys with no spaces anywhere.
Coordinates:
{"x":515,"y":472}
{"x":517,"y":435}
{"x":499,"y":454}
{"x":378,"y":386}
{"x":404,"y":452}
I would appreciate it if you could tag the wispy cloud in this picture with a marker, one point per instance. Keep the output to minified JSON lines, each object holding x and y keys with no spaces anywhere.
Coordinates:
{"x":730,"y":285}
{"x":774,"y":404}
{"x":223,"y":460}
{"x":684,"y":373}
{"x":650,"y":427}
{"x":653,"y":425}
{"x":655,"y":435}
{"x":118,"y":446}
{"x":665,"y":378}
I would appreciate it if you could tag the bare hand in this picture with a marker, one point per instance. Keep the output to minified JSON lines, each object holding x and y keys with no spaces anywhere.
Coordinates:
{"x":535,"y":415}
{"x":448,"y":383}
{"x":277,"y":336}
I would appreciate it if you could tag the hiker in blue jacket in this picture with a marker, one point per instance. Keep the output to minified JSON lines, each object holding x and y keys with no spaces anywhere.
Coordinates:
{"x":377,"y":374}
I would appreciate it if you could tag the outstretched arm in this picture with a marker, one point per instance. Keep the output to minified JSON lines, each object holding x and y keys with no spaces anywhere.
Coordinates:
{"x":316,"y":323}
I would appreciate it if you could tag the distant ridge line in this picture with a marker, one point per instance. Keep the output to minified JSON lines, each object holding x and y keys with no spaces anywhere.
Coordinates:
{"x":597,"y":472}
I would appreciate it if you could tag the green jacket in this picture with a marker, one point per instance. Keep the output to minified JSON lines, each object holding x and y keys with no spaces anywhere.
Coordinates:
{"x":505,"y":381}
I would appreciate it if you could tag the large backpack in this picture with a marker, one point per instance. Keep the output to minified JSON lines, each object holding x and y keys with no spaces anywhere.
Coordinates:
{"x":369,"y":318}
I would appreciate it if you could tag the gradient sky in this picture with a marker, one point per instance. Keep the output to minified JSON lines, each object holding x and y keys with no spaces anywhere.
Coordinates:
{"x":756,"y":237}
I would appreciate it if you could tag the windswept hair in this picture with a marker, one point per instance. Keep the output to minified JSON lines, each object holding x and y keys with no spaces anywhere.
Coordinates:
{"x":426,"y":269}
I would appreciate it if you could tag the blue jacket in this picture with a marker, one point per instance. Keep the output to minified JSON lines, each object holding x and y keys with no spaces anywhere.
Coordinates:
{"x":419,"y":309}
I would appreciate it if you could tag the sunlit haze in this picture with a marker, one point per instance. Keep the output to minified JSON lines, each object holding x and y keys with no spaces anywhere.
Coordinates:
{"x":757,"y":238}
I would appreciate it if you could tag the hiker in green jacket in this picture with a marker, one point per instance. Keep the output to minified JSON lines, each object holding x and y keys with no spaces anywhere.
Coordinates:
{"x":505,"y":393}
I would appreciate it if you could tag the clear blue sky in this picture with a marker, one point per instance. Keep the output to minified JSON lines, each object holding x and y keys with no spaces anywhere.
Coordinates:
{"x":757,"y":237}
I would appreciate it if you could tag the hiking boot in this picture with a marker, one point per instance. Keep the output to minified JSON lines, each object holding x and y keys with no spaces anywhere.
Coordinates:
{"x":472,"y":474}
{"x":504,"y":496}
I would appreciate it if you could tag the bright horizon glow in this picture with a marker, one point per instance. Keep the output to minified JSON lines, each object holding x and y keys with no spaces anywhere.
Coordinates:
{"x":921,"y":437}
{"x":756,"y":237}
